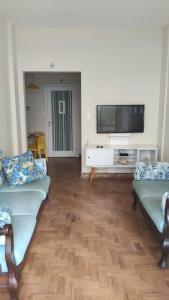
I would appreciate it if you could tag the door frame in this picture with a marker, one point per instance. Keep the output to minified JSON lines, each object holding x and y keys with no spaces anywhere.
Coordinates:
{"x":74,"y":87}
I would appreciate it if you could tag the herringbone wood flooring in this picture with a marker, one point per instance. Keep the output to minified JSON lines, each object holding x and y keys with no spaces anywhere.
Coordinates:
{"x":90,"y":245}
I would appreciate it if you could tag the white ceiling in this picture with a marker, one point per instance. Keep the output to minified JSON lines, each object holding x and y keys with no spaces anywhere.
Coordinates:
{"x":86,"y":13}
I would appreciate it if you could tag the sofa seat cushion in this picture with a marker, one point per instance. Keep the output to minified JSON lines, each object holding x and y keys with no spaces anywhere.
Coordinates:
{"x":22,"y":203}
{"x":152,"y":206}
{"x":23,"y":228}
{"x":40,"y":185}
{"x":147,"y":188}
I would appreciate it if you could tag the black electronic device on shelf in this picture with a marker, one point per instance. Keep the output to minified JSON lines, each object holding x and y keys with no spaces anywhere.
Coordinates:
{"x":123,"y":154}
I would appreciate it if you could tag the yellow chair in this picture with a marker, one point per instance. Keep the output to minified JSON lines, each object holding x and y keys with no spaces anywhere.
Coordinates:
{"x":38,"y":146}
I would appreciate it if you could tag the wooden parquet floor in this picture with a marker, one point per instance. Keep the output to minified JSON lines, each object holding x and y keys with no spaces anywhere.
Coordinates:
{"x":90,"y":245}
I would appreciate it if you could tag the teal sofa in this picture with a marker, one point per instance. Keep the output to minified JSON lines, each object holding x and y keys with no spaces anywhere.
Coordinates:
{"x":25,"y":202}
{"x":149,"y":187}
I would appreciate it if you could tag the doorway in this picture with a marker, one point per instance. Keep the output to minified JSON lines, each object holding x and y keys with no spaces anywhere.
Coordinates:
{"x":53,"y":106}
{"x":62,"y":121}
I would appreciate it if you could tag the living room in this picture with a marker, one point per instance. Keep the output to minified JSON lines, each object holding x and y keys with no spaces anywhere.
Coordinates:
{"x":121,"y":52}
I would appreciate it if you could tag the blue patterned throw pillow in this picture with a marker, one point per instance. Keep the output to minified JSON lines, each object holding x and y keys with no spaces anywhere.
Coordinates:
{"x":40,"y":169}
{"x":5,"y":216}
{"x":152,"y":171}
{"x":23,"y":169}
{"x":5,"y":219}
{"x":19,"y":169}
{"x":2,"y":176}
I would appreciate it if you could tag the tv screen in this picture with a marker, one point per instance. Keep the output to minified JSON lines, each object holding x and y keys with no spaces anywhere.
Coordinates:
{"x":120,"y":118}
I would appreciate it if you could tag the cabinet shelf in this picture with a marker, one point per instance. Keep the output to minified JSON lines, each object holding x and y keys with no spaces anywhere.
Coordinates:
{"x":125,"y":156}
{"x":118,"y":165}
{"x":109,"y":156}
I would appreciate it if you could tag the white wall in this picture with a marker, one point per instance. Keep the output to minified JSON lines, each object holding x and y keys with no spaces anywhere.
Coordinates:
{"x":165,"y":155}
{"x":8,"y":120}
{"x":4,"y":88}
{"x":163,"y":129}
{"x":35,"y":100}
{"x":117,"y":66}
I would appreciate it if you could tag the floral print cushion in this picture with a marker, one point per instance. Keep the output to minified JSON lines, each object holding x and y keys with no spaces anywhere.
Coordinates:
{"x":2,"y":154}
{"x":5,"y":219}
{"x":2,"y":176}
{"x":18,"y":169}
{"x":152,"y":171}
{"x":40,"y":168}
{"x":5,"y":216}
{"x":23,"y":169}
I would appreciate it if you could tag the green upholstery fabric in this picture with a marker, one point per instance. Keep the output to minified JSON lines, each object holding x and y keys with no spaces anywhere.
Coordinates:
{"x":23,"y":228}
{"x":147,"y":188}
{"x":153,"y":207}
{"x":22,"y":203}
{"x":150,"y":194}
{"x":40,"y":185}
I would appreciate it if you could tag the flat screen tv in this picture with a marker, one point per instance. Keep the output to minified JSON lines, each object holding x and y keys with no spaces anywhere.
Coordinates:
{"x":120,"y":118}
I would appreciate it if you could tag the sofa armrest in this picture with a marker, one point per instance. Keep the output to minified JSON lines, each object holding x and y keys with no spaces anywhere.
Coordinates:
{"x":12,"y":275}
{"x":166,"y":216}
{"x":7,"y":232}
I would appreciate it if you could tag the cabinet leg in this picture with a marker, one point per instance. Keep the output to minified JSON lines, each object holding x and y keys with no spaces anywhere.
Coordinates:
{"x":93,"y":172}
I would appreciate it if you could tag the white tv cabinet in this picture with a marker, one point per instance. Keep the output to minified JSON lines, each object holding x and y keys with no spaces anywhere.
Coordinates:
{"x":114,"y":156}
